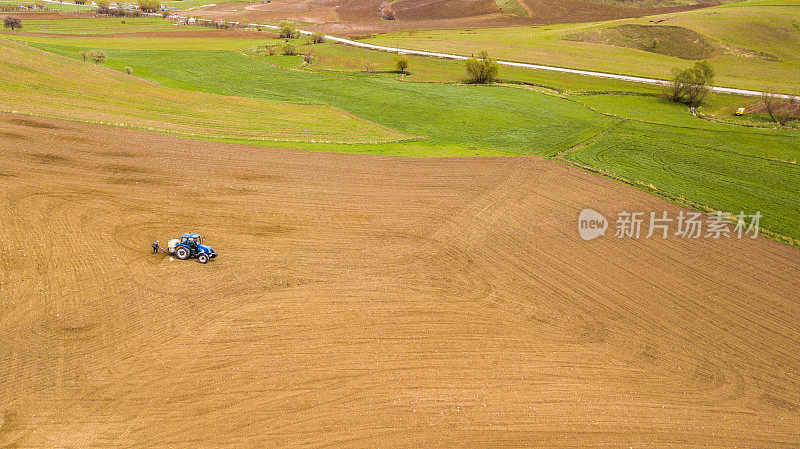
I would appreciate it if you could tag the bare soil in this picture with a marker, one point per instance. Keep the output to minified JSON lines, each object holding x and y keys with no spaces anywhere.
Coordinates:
{"x":369,"y":302}
{"x":358,"y":17}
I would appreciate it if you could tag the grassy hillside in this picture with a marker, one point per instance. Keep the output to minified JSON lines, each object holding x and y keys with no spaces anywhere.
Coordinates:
{"x":39,"y":83}
{"x":746,"y":40}
{"x":469,"y":116}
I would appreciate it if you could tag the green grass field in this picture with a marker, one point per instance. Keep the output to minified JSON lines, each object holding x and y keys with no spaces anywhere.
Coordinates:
{"x":620,"y":128}
{"x":512,"y":7}
{"x":751,"y":38}
{"x":99,"y":26}
{"x":39,"y":83}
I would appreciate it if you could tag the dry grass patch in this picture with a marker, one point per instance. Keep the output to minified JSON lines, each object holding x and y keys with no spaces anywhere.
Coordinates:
{"x":666,"y":40}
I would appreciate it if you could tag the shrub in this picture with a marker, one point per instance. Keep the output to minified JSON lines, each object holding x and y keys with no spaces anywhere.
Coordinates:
{"x":128,"y":70}
{"x":308,"y":55}
{"x":317,"y":38}
{"x":149,"y":5}
{"x":289,"y":50}
{"x":482,"y":70}
{"x":401,"y":63}
{"x":386,"y":12}
{"x":690,"y":86}
{"x":120,"y":13}
{"x":102,"y":5}
{"x":288,"y":30}
{"x":12,"y":22}
{"x":97,"y":56}
{"x":80,"y":2}
{"x":368,"y":66}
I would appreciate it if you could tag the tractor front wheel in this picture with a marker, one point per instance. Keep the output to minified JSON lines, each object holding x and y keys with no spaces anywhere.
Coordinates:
{"x":182,"y":253}
{"x":202,"y":257}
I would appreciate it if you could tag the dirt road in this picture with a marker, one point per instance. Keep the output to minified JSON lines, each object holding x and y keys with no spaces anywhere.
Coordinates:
{"x":369,"y":302}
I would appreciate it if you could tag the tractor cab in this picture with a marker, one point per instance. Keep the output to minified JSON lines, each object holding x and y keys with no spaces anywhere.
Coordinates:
{"x":191,"y":240}
{"x":191,"y":245}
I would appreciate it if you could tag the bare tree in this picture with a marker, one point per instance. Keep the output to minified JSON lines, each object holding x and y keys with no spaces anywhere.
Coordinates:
{"x":308,"y":55}
{"x":780,"y":110}
{"x":771,"y":104}
{"x":368,"y":66}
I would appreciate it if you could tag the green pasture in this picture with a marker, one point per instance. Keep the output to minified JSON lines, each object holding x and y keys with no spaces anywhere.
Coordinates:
{"x":625,"y":128}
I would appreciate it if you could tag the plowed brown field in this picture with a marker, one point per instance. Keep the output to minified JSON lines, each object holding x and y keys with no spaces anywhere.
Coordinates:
{"x":369,"y":302}
{"x":356,"y":17}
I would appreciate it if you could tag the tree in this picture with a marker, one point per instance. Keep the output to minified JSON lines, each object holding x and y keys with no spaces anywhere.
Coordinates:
{"x":128,"y":70}
{"x":483,"y":69}
{"x":368,"y":66}
{"x":780,"y":111}
{"x":83,"y":55}
{"x":288,"y":30}
{"x":289,"y":50}
{"x":102,"y":6}
{"x":401,"y":63}
{"x":97,"y":56}
{"x":691,"y":86}
{"x":149,"y":5}
{"x":308,"y":55}
{"x":317,"y":38}
{"x":12,"y":22}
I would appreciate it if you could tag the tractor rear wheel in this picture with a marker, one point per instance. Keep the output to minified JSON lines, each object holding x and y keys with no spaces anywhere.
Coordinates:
{"x":202,"y":257}
{"x":182,"y":253}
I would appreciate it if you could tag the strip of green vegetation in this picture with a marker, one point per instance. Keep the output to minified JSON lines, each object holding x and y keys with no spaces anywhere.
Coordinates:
{"x":98,"y":25}
{"x":511,"y":7}
{"x":340,"y":58}
{"x":683,"y":166}
{"x":144,"y":42}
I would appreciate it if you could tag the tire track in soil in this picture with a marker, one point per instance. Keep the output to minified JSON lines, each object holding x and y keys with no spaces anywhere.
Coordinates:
{"x":371,"y":301}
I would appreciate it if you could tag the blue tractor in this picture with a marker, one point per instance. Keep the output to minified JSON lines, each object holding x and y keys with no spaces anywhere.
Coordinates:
{"x":191,"y":245}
